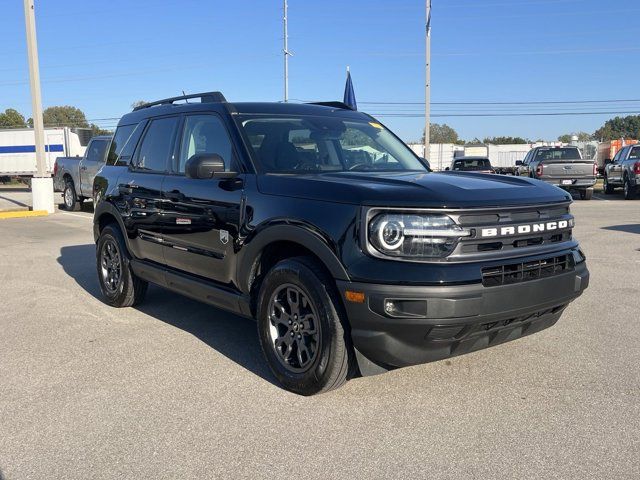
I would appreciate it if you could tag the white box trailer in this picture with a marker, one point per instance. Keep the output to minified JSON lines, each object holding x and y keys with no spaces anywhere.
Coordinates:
{"x":18,"y":150}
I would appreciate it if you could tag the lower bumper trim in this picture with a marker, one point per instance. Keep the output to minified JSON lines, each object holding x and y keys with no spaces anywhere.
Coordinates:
{"x":460,"y":319}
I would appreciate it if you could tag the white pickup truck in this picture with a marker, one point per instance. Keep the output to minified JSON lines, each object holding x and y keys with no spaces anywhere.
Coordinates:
{"x":74,"y":175}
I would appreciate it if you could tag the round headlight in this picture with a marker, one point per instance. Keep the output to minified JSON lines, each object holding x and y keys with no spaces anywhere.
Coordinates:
{"x":391,"y":234}
{"x":414,"y":235}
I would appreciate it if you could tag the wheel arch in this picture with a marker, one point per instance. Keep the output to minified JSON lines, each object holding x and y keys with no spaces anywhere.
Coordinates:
{"x":277,"y":243}
{"x":104,"y":214}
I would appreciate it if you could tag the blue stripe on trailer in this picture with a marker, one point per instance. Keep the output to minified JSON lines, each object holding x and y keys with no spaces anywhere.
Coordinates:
{"x":30,"y":148}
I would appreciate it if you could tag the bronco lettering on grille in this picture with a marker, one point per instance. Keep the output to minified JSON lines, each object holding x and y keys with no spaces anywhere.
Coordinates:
{"x":524,"y":229}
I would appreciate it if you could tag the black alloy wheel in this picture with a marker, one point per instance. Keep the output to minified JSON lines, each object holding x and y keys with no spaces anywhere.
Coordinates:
{"x":302,"y":327}
{"x":294,"y":328}
{"x":119,"y":285}
{"x":111,"y":266}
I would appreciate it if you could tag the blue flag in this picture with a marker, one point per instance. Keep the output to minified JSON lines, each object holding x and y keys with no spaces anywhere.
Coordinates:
{"x":349,"y":94}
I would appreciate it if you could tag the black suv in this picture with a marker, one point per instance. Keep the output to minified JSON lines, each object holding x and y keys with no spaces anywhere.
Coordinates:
{"x":322,"y":225}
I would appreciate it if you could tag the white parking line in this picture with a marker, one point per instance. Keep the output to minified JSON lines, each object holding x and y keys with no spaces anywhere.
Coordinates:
{"x":90,"y":217}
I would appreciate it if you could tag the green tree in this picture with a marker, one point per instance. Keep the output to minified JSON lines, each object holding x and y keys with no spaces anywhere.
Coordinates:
{"x":442,"y":134}
{"x":582,"y":137}
{"x":64,"y":116}
{"x":619,"y":127}
{"x":505,"y":140}
{"x":11,"y":119}
{"x":96,"y":130}
{"x":138,"y":103}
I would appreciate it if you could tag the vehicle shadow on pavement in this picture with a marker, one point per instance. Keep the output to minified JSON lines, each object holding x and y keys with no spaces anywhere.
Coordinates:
{"x":13,"y":200}
{"x":83,"y":207}
{"x":630,"y":228}
{"x":233,"y":336}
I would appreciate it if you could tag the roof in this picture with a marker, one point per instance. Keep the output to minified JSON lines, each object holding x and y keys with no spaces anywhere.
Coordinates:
{"x":471,"y":158}
{"x":259,"y":108}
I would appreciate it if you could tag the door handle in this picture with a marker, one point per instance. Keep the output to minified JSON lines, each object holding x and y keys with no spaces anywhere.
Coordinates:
{"x":174,"y":196}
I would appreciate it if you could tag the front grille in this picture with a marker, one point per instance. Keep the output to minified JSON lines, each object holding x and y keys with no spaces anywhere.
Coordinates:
{"x":525,"y":271}
{"x":503,"y":245}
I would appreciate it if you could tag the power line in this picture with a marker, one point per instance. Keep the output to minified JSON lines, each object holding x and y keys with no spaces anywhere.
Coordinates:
{"x":537,"y":114}
{"x":528,"y":102}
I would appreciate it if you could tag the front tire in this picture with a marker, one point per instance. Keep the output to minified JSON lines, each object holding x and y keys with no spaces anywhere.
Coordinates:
{"x":119,"y":285}
{"x":302,"y":330}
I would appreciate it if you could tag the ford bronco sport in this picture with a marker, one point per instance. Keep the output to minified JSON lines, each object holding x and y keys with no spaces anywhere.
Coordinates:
{"x":322,"y":225}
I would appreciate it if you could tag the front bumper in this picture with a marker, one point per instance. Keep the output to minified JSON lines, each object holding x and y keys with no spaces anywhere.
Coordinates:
{"x":458,"y":319}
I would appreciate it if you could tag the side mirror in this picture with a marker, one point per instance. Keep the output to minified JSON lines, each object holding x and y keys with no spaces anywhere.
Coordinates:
{"x":607,"y":161}
{"x":519,"y":163}
{"x":447,"y":169}
{"x":206,"y":165}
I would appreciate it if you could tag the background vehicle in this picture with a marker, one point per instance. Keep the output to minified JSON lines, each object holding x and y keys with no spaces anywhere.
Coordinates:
{"x":608,"y":150}
{"x":318,"y":222}
{"x":560,"y":166}
{"x":74,"y":175}
{"x":472,"y":164}
{"x":624,"y":171}
{"x":18,"y":151}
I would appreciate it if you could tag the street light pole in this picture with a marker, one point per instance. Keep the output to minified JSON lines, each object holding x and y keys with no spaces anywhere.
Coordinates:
{"x":427,"y":93}
{"x":41,"y":183}
{"x":286,"y":53}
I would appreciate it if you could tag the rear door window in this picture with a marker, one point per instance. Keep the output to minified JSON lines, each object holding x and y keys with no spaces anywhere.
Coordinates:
{"x":96,"y":151}
{"x":157,"y":145}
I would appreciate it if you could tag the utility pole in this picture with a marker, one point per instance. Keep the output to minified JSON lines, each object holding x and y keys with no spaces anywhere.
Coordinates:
{"x":427,"y":92}
{"x":41,"y":183}
{"x":286,"y":53}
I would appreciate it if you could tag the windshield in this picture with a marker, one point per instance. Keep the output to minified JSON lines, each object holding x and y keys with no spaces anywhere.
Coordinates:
{"x":472,"y":164}
{"x":558,"y":154}
{"x":288,"y":144}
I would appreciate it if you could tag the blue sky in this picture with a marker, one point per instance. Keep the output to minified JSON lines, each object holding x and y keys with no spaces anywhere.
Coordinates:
{"x":102,"y":56}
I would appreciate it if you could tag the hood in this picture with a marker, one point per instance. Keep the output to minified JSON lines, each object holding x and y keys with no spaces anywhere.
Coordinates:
{"x":413,"y":189}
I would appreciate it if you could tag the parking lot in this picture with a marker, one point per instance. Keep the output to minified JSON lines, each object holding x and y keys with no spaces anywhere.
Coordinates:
{"x":176,"y":389}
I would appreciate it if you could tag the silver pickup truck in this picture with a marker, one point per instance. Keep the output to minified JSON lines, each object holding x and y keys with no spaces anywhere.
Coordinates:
{"x":74,"y":175}
{"x":563,"y":167}
{"x":623,"y":171}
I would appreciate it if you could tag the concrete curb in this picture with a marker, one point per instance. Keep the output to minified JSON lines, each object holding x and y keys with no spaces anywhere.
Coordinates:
{"x":23,"y":214}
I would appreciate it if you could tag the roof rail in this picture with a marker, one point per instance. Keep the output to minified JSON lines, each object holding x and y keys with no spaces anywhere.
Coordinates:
{"x":340,"y":105}
{"x":206,"y":97}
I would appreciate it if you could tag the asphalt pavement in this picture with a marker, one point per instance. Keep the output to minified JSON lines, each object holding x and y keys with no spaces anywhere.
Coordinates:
{"x":177,"y":389}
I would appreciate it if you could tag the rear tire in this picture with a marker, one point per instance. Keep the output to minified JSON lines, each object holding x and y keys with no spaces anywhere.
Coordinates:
{"x":586,"y":194}
{"x":302,"y":330}
{"x":69,"y":198}
{"x":607,"y":187}
{"x":629,"y":190}
{"x":118,"y":283}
